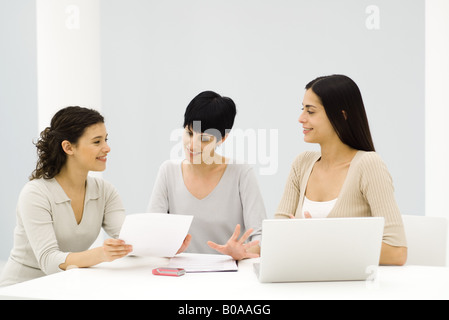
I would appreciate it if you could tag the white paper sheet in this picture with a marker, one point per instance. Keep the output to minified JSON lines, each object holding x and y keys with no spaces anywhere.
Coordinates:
{"x":203,"y":263}
{"x":155,"y":234}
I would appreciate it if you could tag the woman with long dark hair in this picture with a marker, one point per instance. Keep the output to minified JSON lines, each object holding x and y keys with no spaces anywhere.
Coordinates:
{"x":61,"y":210}
{"x":347,"y":178}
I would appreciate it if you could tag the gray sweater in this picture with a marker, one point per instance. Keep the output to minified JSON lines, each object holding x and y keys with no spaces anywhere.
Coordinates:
{"x":235,"y":200}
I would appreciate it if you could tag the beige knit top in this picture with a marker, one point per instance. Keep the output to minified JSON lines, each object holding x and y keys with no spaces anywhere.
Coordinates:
{"x":367,"y":192}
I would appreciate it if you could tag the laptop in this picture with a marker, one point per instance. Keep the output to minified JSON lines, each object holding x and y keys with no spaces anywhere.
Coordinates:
{"x":332,"y":249}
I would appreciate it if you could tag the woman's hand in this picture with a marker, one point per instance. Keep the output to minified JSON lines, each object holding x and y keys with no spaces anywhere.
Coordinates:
{"x":111,"y":250}
{"x":235,"y":247}
{"x":114,"y":249}
{"x":307,"y":215}
{"x":185,"y":244}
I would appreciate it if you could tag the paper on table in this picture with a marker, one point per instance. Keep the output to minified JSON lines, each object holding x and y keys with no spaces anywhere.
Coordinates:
{"x":203,"y":263}
{"x":155,"y":234}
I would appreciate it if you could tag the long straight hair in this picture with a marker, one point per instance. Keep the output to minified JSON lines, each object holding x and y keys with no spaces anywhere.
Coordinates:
{"x":345,"y":109}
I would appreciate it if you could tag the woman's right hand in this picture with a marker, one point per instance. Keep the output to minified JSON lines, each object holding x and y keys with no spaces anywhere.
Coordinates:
{"x":114,"y":249}
{"x":307,"y":215}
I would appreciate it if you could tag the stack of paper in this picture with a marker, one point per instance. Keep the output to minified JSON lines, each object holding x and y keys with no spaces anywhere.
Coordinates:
{"x":203,"y":263}
{"x":155,"y":234}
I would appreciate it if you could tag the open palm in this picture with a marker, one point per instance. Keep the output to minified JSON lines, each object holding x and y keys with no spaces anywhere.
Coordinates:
{"x":235,"y":247}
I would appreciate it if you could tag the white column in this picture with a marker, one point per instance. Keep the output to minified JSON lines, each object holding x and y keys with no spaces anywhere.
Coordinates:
{"x":68,"y":54}
{"x":437,"y":108}
{"x":68,"y":59}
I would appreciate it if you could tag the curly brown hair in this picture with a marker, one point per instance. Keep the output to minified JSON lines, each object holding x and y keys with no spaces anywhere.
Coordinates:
{"x":67,"y":124}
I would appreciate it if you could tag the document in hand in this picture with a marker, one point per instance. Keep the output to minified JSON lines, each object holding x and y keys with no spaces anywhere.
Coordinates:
{"x":155,"y":234}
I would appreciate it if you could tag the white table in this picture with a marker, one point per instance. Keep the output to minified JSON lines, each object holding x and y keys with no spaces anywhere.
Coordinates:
{"x":131,"y":278}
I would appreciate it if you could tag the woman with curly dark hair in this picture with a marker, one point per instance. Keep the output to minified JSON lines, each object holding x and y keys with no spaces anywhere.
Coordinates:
{"x":61,"y":211}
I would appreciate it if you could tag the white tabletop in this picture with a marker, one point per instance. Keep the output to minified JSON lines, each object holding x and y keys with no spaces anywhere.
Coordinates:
{"x":132,"y":278}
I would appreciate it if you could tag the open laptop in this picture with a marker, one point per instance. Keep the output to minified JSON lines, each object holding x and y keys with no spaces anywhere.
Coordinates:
{"x":330,"y":249}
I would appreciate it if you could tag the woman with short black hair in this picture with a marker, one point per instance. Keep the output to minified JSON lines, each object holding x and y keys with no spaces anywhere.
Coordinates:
{"x":223,"y":197}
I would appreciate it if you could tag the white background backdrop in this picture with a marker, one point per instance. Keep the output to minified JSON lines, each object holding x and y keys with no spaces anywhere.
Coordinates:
{"x":141,"y":64}
{"x":157,"y":55}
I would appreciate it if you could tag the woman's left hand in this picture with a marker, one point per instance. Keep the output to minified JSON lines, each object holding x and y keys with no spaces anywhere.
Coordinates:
{"x":235,"y":247}
{"x":307,"y":215}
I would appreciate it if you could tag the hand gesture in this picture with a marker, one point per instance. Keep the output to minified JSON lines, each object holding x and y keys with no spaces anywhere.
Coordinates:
{"x":235,"y":247}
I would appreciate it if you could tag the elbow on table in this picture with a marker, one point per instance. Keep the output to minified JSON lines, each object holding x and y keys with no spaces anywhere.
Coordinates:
{"x":401,"y":256}
{"x":51,"y":260}
{"x":394,"y":256}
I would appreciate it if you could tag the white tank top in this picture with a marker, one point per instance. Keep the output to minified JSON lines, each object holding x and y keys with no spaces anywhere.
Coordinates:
{"x":318,"y":209}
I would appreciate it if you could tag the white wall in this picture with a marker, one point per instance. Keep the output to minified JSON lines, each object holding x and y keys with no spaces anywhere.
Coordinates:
{"x":437,"y":108}
{"x":157,"y":55}
{"x":18,"y":109}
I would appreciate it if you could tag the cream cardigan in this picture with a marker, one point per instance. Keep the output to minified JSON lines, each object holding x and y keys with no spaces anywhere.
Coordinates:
{"x":367,"y":192}
{"x":47,"y":231}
